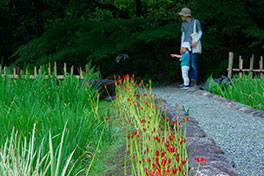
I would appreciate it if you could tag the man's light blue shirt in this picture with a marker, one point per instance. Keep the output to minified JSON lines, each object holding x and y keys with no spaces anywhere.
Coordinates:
{"x":187,"y":30}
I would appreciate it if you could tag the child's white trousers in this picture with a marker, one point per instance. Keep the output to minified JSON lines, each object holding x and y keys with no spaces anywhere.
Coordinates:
{"x":185,"y":75}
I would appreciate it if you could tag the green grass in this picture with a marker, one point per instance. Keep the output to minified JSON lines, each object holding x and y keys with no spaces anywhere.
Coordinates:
{"x":48,"y":104}
{"x":244,"y":90}
{"x":110,"y":158}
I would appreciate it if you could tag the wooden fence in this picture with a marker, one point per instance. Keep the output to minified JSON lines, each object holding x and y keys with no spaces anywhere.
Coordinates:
{"x":242,"y":70}
{"x":17,"y":72}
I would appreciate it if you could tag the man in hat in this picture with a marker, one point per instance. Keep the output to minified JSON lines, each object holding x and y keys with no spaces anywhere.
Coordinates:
{"x":187,"y":28}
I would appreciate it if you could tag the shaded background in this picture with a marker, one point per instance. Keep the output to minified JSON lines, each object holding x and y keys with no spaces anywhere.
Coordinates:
{"x":105,"y":32}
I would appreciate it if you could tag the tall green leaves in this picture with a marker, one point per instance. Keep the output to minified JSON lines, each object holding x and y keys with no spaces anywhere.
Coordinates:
{"x":245,"y":90}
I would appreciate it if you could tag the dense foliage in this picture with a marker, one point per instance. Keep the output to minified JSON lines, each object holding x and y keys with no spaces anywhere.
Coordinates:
{"x":123,"y":36}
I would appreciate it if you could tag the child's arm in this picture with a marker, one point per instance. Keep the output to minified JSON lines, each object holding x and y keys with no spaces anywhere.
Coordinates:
{"x":176,"y":55}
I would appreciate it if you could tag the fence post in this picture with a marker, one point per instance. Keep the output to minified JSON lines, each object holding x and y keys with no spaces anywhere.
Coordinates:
{"x":65,"y":69}
{"x":251,"y":66}
{"x":230,"y":64}
{"x":55,"y":69}
{"x":14,"y":72}
{"x":72,"y":68}
{"x":81,"y":74}
{"x":240,"y":67}
{"x":261,"y":67}
{"x":35,"y":72}
{"x":4,"y":70}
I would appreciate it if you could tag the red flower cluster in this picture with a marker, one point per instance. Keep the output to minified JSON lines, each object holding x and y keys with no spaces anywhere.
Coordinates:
{"x":200,"y":160}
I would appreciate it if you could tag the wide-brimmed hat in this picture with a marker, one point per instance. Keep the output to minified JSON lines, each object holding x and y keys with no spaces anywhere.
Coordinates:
{"x":185,"y":12}
{"x":186,"y":45}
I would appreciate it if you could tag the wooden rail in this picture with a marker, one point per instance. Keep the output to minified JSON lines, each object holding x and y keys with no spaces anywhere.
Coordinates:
{"x":242,"y":70}
{"x":17,"y":72}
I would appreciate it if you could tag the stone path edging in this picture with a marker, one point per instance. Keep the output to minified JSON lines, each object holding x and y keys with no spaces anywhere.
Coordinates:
{"x":230,"y":103}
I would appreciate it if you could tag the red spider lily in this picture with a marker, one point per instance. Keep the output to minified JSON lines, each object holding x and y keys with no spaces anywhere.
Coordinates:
{"x":177,"y":157}
{"x":106,"y":118}
{"x":163,"y":154}
{"x":144,"y":129}
{"x":164,"y":161}
{"x":181,"y":142}
{"x":154,"y":166}
{"x":172,"y":149}
{"x":167,"y":119}
{"x":145,"y":94}
{"x":139,"y":162}
{"x":162,"y":128}
{"x":85,"y":86}
{"x":157,"y":162}
{"x":163,"y":138}
{"x":180,"y":167}
{"x":174,"y":122}
{"x":158,"y":172}
{"x":171,"y":137}
{"x":167,"y":144}
{"x":157,"y":153}
{"x":135,"y":95}
{"x":105,"y":85}
{"x":128,"y":136}
{"x":133,"y":157}
{"x":169,"y":161}
{"x":146,"y":171}
{"x":143,"y":121}
{"x":126,"y":77}
{"x":174,"y":169}
{"x":149,"y":160}
{"x":158,"y":139}
{"x":183,"y":162}
{"x":201,"y":159}
{"x":186,"y":119}
{"x":177,"y":105}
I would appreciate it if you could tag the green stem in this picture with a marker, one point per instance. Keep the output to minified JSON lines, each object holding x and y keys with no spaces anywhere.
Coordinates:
{"x":97,"y":148}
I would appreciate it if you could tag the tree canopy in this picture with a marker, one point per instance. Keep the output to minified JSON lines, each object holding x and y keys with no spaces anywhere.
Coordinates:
{"x":145,"y":31}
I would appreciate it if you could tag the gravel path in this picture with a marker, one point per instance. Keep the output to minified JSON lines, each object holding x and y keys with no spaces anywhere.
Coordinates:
{"x":240,"y":135}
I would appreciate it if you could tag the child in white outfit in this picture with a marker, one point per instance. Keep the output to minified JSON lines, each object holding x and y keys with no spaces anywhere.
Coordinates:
{"x":185,"y":66}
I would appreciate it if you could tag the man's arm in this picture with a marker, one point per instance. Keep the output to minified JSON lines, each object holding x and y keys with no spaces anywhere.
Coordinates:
{"x":199,"y":29}
{"x":182,"y":40}
{"x":200,"y":33}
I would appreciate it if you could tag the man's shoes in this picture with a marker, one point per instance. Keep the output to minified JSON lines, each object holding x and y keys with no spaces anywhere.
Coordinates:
{"x":184,"y":87}
{"x":193,"y":83}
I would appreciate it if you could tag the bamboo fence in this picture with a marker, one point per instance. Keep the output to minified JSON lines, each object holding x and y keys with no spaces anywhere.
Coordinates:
{"x":17,"y":72}
{"x":240,"y":68}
